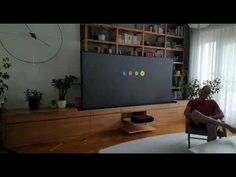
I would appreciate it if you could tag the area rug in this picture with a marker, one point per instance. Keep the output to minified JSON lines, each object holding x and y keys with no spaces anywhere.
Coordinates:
{"x":170,"y":143}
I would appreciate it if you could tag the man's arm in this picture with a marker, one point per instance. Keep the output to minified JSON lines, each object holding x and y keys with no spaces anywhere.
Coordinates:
{"x":218,"y":114}
{"x":187,"y":112}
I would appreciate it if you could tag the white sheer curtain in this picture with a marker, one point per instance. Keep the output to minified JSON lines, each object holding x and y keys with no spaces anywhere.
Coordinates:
{"x":213,"y":55}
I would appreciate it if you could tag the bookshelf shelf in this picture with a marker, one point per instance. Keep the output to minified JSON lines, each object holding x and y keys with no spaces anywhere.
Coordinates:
{"x":129,"y":29}
{"x":178,"y":63}
{"x":153,"y":33}
{"x":107,"y":26}
{"x":154,"y":47}
{"x":173,"y":36}
{"x":102,"y":42}
{"x":130,"y":45}
{"x":171,"y":49}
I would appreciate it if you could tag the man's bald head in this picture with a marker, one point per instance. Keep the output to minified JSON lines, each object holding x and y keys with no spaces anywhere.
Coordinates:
{"x":205,"y":92}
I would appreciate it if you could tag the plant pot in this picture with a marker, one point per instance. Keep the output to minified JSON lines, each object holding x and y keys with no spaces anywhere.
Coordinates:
{"x":78,"y":102}
{"x":61,"y":104}
{"x":34,"y":103}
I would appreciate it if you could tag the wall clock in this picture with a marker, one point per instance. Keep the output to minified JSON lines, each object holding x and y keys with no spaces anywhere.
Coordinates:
{"x":31,"y":43}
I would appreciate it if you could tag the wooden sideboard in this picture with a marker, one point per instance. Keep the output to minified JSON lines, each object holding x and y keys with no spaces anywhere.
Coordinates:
{"x":24,"y":127}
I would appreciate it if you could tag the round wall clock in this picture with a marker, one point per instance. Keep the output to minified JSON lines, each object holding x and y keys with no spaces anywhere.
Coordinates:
{"x":31,"y":43}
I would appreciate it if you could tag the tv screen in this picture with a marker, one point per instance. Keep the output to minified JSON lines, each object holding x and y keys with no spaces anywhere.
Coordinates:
{"x":116,"y":80}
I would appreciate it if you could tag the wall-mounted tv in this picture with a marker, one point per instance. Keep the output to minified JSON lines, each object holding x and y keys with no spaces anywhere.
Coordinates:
{"x":117,"y":80}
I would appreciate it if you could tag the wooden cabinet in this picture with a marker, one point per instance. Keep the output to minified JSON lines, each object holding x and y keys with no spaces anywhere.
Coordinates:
{"x":147,"y":40}
{"x":32,"y":127}
{"x":24,"y":127}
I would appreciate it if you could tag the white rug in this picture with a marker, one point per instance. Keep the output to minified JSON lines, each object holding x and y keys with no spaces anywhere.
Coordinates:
{"x":170,"y":143}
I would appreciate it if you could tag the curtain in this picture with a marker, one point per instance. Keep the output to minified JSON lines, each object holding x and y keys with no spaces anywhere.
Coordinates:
{"x":213,"y":55}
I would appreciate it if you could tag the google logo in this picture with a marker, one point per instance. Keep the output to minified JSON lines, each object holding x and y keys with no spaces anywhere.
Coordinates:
{"x":134,"y":73}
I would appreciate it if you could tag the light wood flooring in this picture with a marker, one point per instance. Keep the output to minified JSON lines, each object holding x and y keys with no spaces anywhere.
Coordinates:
{"x":93,"y":143}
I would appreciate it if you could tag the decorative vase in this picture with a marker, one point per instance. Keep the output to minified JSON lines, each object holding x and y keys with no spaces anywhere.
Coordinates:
{"x":61,"y":104}
{"x":101,"y":37}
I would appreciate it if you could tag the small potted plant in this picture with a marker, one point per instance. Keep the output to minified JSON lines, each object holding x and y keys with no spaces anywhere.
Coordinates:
{"x":4,"y":75}
{"x":63,"y":85}
{"x":34,"y":98}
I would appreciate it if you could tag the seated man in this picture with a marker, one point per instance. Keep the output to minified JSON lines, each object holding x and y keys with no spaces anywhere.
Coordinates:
{"x":204,"y":112}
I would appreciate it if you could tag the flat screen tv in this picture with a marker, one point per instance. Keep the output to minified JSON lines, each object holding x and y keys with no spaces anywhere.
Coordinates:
{"x":117,"y":80}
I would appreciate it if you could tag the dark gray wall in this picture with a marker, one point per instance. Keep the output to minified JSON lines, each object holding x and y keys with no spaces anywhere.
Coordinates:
{"x":107,"y":83}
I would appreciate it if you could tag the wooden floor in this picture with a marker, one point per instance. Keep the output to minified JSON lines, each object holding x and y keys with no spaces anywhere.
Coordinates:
{"x":93,"y":143}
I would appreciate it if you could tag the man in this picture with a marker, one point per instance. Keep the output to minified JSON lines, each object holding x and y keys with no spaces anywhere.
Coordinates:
{"x":206,"y":113}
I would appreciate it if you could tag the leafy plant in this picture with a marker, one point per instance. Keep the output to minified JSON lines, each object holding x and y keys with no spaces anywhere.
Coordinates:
{"x":191,"y":90}
{"x":4,"y":75}
{"x":63,"y":85}
{"x":33,"y":94}
{"x":34,"y":98}
{"x":215,"y":86}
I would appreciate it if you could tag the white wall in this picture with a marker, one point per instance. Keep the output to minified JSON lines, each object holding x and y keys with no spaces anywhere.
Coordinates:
{"x":39,"y":76}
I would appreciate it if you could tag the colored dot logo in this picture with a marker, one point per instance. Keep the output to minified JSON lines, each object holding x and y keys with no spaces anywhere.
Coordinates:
{"x":134,"y":73}
{"x":130,"y":73}
{"x":142,"y":73}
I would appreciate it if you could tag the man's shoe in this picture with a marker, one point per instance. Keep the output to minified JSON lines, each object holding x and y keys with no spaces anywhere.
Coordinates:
{"x":230,"y":128}
{"x":220,"y":133}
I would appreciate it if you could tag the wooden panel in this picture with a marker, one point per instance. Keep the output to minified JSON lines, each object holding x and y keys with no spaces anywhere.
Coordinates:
{"x":180,"y":103}
{"x":105,"y":122}
{"x":129,"y":114}
{"x":128,"y":128}
{"x":165,"y":116}
{"x":127,"y":109}
{"x":44,"y":114}
{"x":104,"y":111}
{"x":30,"y":127}
{"x":43,"y":131}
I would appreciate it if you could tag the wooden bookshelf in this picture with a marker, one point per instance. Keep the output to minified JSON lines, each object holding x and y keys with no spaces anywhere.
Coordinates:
{"x":120,"y":30}
{"x":170,"y":40}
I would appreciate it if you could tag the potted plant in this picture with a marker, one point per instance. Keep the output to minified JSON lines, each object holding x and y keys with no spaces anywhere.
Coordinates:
{"x":34,"y":98}
{"x":191,"y":90}
{"x":215,"y":86}
{"x":63,"y":85}
{"x":4,"y":75}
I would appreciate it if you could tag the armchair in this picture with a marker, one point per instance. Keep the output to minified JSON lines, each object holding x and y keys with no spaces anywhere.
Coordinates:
{"x":189,"y":129}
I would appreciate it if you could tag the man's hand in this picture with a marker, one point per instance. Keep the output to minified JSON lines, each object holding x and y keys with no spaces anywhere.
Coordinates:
{"x":218,"y":114}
